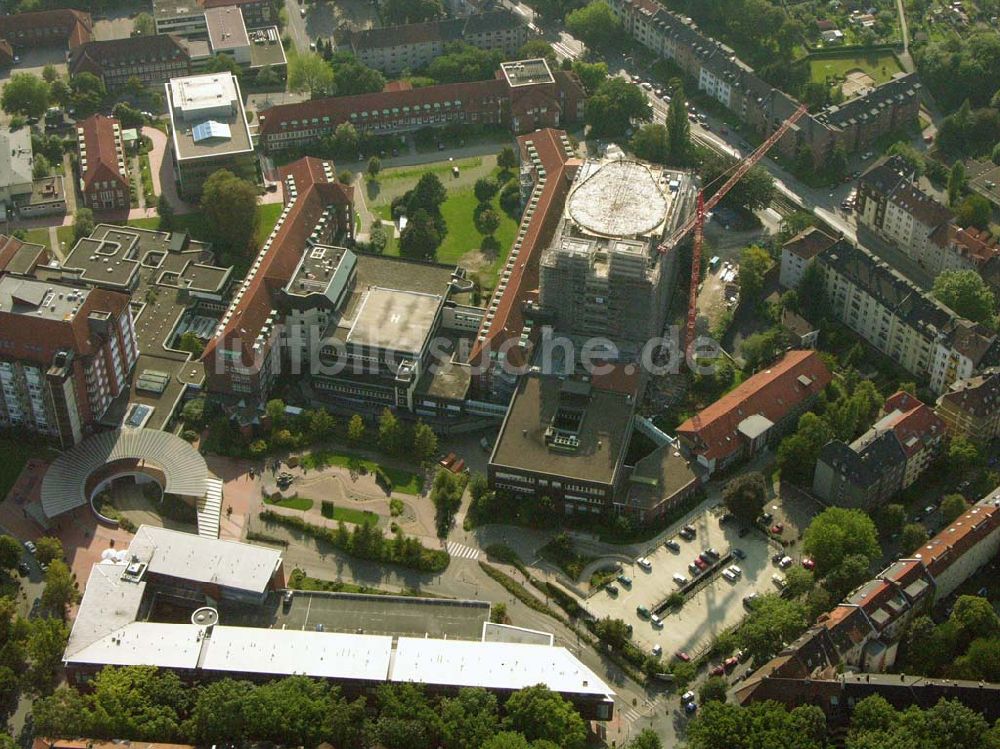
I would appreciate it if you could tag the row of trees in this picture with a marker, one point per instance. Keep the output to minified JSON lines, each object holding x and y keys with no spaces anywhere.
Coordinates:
{"x":670,"y":143}
{"x":964,"y":646}
{"x":446,"y":494}
{"x":142,"y":703}
{"x":425,"y":226}
{"x":28,"y":95}
{"x":396,"y":438}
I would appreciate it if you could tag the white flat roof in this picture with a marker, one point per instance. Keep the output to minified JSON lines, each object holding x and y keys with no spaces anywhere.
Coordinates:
{"x":493,"y":665}
{"x":108,"y":604}
{"x":145,"y":644}
{"x":198,"y":92}
{"x":231,"y":564}
{"x":330,"y":655}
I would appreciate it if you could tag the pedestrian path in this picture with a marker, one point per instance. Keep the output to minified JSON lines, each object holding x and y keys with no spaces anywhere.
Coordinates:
{"x":461,"y":551}
{"x":629,"y":714}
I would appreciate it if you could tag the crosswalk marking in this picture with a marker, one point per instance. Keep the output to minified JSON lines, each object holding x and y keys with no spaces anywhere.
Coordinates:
{"x":630,"y":714}
{"x":461,"y":551}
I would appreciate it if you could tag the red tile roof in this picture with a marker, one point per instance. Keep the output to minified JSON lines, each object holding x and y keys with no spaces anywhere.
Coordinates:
{"x":94,"y":57}
{"x":771,"y":393}
{"x":508,"y":320}
{"x":914,"y":424}
{"x":313,"y":194}
{"x":808,"y":243}
{"x":961,"y":535}
{"x":103,"y":151}
{"x":76,"y":24}
{"x":339,"y":108}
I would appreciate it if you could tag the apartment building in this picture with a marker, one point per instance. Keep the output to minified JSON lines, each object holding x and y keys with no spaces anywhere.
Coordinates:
{"x":525,"y":95}
{"x":187,"y":17}
{"x":799,"y":251}
{"x":905,"y":323}
{"x":104,"y":180}
{"x":604,"y":262}
{"x":853,"y":125}
{"x":20,"y":193}
{"x":971,"y":407}
{"x":883,"y":461}
{"x":892,"y":206}
{"x":152,"y":60}
{"x":756,"y":413}
{"x":66,"y":354}
{"x":394,"y":49}
{"x":46,"y":27}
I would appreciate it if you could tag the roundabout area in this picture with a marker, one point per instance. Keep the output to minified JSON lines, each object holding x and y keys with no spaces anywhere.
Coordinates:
{"x":147,"y":456}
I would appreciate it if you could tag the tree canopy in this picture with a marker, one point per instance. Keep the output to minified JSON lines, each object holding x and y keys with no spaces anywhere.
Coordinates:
{"x":310,"y":73}
{"x":230,"y":205}
{"x":745,"y":495}
{"x":614,"y":106}
{"x":595,"y":25}
{"x":965,"y":292}
{"x":837,"y":533}
{"x":25,"y":94}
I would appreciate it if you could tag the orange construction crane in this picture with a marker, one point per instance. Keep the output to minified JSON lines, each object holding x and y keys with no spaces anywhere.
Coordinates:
{"x":697,"y":220}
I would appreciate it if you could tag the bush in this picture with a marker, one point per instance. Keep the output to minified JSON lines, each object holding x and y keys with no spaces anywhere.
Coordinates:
{"x":326,"y":509}
{"x":396,"y":507}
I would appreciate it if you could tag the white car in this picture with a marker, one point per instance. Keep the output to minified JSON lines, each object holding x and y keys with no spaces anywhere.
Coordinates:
{"x":728,"y":574}
{"x":688,"y":696}
{"x":657,"y":621}
{"x":735,"y":569}
{"x":779,"y":580}
{"x":785,"y":562}
{"x":30,"y":546}
{"x":680,"y":579}
{"x":644,"y":563}
{"x":657,"y":650}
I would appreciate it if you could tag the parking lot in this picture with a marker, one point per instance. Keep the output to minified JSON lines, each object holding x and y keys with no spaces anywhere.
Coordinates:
{"x":711,"y":608}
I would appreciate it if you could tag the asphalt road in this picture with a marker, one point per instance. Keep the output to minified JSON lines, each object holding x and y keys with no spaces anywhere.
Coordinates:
{"x":296,"y":27}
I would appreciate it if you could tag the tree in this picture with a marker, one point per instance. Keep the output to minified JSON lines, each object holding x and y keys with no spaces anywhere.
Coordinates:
{"x":614,"y":106}
{"x":753,"y":192}
{"x":219,"y":713}
{"x":812,"y":293}
{"x":374,"y":167}
{"x":87,"y":93}
{"x":889,"y":519}
{"x":678,"y":126}
{"x":345,"y":140}
{"x":469,"y":719}
{"x":485,"y":188}
{"x":399,"y":12}
{"x":308,"y":72}
{"x":651,"y":142}
{"x":956,"y":181}
{"x":507,"y":159}
{"x":41,"y":167}
{"x":25,"y":94}
{"x":420,"y":239}
{"x":355,"y":429}
{"x":464,"y":62}
{"x":973,"y":616}
{"x":294,"y":710}
{"x":144,"y":25}
{"x":837,"y":533}
{"x":799,"y":581}
{"x":973,"y":211}
{"x":745,"y":495}
{"x":165,"y":209}
{"x":510,"y":198}
{"x":320,"y":424}
{"x":274,"y":409}
{"x":48,"y":549}
{"x":10,"y":552}
{"x":46,"y":644}
{"x":963,"y":456}
{"x":769,"y":724}
{"x":49,"y":73}
{"x":953,"y":506}
{"x":591,"y":74}
{"x":539,"y":713}
{"x":849,"y":574}
{"x":425,"y":442}
{"x":190,"y":342}
{"x":83,"y":223}
{"x":713,"y":690}
{"x":537,"y":48}
{"x":595,"y":25}
{"x":754,"y":264}
{"x":771,"y":623}
{"x":390,"y":432}
{"x":428,"y":194}
{"x":798,"y":452}
{"x":230,"y":205}
{"x":614,"y":632}
{"x":487,"y":221}
{"x":352,"y":78}
{"x":128,"y":115}
{"x":60,"y":589}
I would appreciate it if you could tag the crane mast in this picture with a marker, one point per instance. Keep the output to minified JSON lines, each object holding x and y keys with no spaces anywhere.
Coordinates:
{"x":696,"y":221}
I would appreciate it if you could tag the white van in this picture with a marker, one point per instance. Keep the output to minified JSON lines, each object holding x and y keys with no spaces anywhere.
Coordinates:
{"x":680,"y":579}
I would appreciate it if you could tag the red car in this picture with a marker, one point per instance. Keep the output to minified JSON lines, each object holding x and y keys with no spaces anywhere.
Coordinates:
{"x":700,"y":563}
{"x":808,"y":563}
{"x":777,"y":528}
{"x":730,"y":663}
{"x":717,"y":671}
{"x":682,"y":656}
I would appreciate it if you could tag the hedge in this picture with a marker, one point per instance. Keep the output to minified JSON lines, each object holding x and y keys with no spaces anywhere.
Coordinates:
{"x":365,"y":541}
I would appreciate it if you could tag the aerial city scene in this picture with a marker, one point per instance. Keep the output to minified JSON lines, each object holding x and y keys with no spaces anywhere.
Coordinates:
{"x":499,"y":374}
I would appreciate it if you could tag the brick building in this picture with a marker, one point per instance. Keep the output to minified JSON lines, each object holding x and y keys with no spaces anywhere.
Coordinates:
{"x":756,"y":413}
{"x":393,"y":49}
{"x":66,"y":354}
{"x":153,"y":60}
{"x":524,"y":96}
{"x":104,"y":178}
{"x":47,"y":27}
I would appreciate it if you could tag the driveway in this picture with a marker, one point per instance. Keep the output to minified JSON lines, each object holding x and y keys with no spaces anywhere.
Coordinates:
{"x":161,"y":166}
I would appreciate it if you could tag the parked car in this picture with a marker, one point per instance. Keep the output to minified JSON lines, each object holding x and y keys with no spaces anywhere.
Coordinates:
{"x":642,"y":611}
{"x":735,"y":569}
{"x":693,"y":569}
{"x":23,"y":569}
{"x":625,"y":580}
{"x":680,"y":579}
{"x":672,"y":545}
{"x":690,"y":707}
{"x":739,"y":554}
{"x":748,"y":599}
{"x":710,"y":553}
{"x":612,"y":590}
{"x":682,"y":656}
{"x":777,"y":528}
{"x":700,"y":564}
{"x":688,"y":696}
{"x":644,"y":563}
{"x":808,"y":563}
{"x":30,"y":546}
{"x":731,"y":662}
{"x":766,"y":518}
{"x":706,"y":559}
{"x":286,"y":599}
{"x":729,"y":575}
{"x":785,"y":562}
{"x":657,"y":621}
{"x":690,"y":529}
{"x":657,"y":650}
{"x":779,"y":580}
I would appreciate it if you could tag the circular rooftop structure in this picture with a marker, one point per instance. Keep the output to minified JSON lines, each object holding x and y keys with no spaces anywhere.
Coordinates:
{"x":206,"y":616}
{"x":64,"y":487}
{"x":620,"y":199}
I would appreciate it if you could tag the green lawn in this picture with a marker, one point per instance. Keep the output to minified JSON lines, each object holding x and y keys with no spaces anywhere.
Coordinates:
{"x":37,"y":236}
{"x":348,"y":515}
{"x":16,"y":453}
{"x":880,"y":66}
{"x":404,"y":482}
{"x":293,"y":503}
{"x":195,"y":223}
